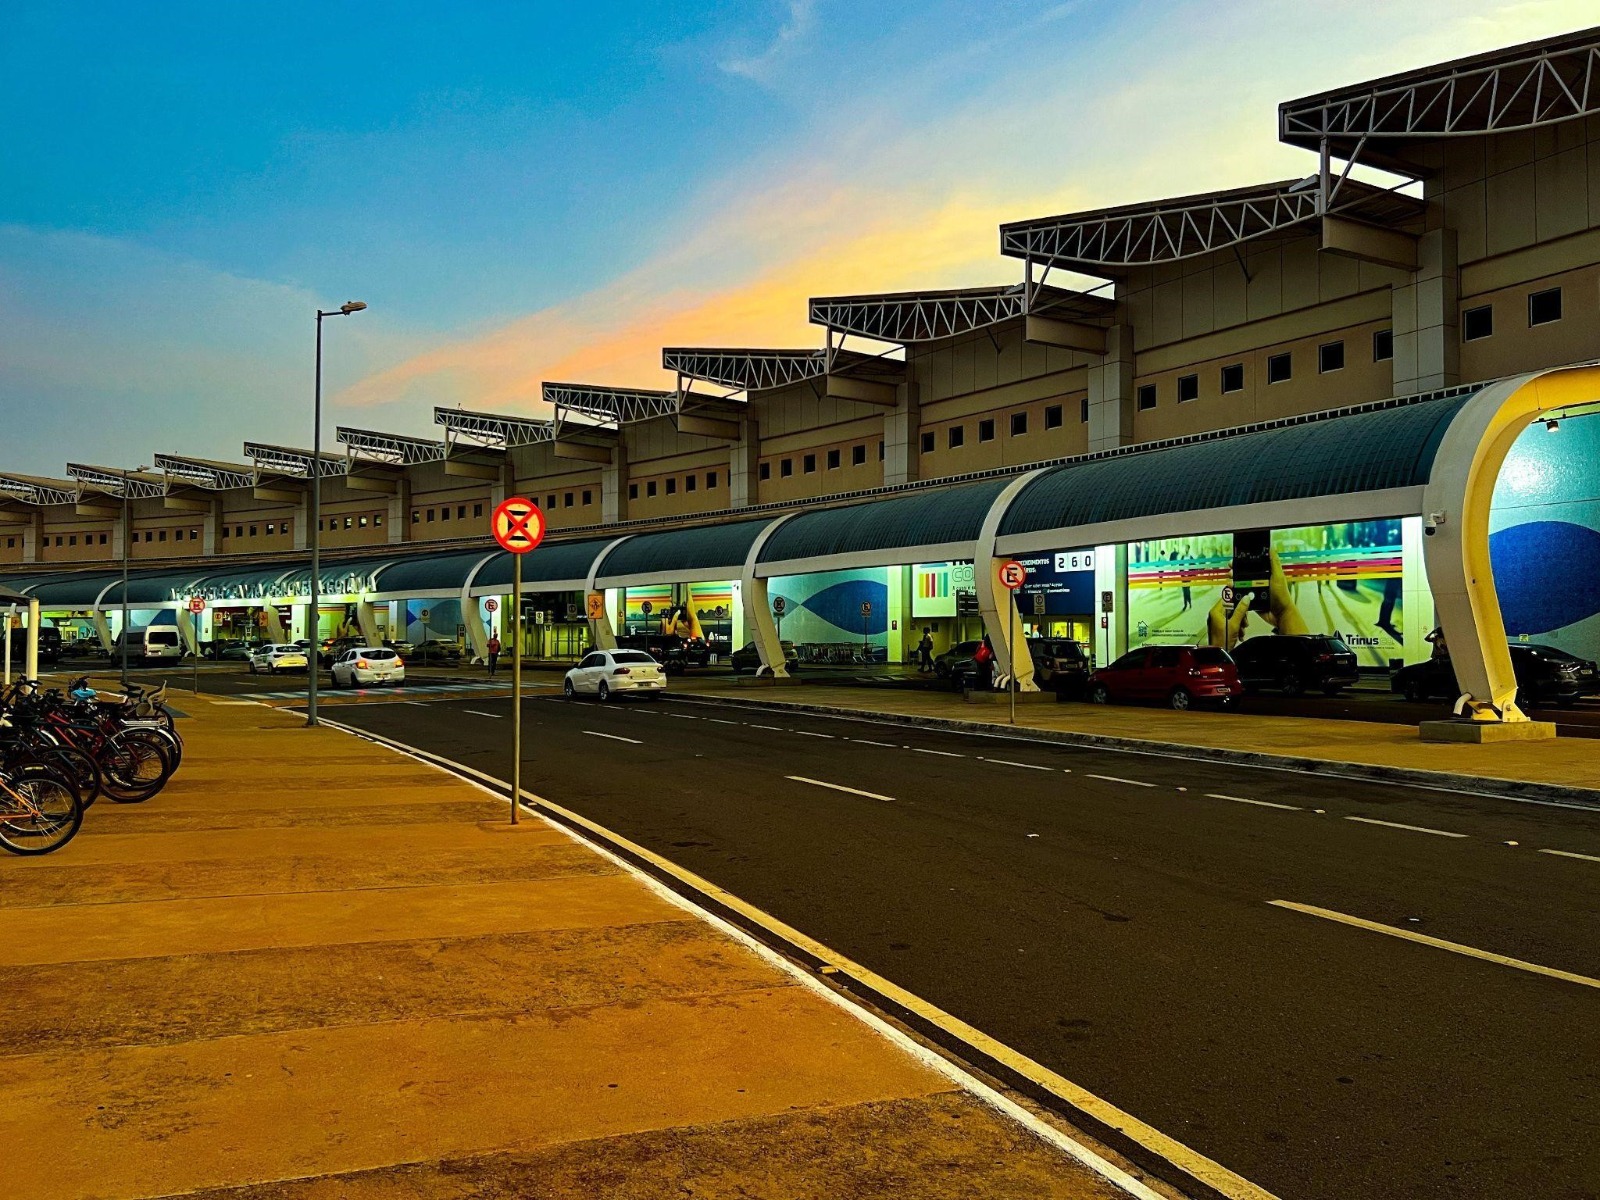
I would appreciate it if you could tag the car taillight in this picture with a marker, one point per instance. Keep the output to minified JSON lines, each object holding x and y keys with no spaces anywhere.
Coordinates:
{"x":621,"y":671}
{"x":1324,"y":658}
{"x":399,"y":662}
{"x":362,"y":663}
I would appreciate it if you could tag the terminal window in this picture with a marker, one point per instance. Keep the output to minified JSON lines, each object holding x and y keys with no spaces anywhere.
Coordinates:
{"x":672,"y":487}
{"x":927,"y":443}
{"x":103,"y":536}
{"x":958,"y":436}
{"x":1052,"y":416}
{"x":416,"y":517}
{"x":376,"y":520}
{"x":444,"y":513}
{"x":690,"y":482}
{"x":810,"y":463}
{"x":552,"y":500}
{"x":1083,"y":411}
{"x":880,"y":451}
{"x":1233,"y":378}
{"x":430,"y":513}
{"x":477,"y":510}
{"x":786,"y":468}
{"x":986,"y":430}
{"x":833,"y":460}
{"x":1147,"y":398}
{"x":1477,"y":323}
{"x":1382,"y":345}
{"x":1280,"y":367}
{"x":711,"y":479}
{"x":650,"y":488}
{"x":633,"y":488}
{"x":858,"y":455}
{"x":1188,"y":388}
{"x":362,"y":523}
{"x":1019,"y":424}
{"x":588,"y":496}
{"x":461,"y":512}
{"x":1330,"y":357}
{"x":72,"y":539}
{"x":1544,"y":307}
{"x":567,"y":498}
{"x":765,"y":471}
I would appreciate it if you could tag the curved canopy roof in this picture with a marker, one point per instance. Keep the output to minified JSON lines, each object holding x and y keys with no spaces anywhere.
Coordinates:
{"x":551,"y":563}
{"x":719,"y":550}
{"x":430,"y":575}
{"x":1364,"y":451}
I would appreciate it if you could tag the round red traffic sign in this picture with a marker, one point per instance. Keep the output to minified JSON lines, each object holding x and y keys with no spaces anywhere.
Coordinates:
{"x":1013,"y":575}
{"x":490,"y":604}
{"x":196,"y":605}
{"x":517,"y":524}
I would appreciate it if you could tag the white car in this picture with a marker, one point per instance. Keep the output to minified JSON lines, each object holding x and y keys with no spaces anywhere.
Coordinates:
{"x":608,"y":673}
{"x":369,"y":664}
{"x":273,"y":659}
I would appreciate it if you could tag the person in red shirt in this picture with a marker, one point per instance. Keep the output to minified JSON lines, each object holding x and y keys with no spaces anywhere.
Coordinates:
{"x":492,"y":649}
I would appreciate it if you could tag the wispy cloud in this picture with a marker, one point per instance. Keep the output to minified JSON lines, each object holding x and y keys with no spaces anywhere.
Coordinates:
{"x":761,"y":67}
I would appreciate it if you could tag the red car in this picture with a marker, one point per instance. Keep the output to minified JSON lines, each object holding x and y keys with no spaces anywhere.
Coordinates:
{"x":1182,"y":676}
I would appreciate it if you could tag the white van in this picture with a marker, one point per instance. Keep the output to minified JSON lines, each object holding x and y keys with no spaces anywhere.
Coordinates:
{"x":150,"y":643}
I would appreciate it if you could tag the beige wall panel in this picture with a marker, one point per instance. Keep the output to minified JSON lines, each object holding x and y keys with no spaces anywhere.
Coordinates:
{"x":1561,"y":199}
{"x":1510,"y":206}
{"x":1166,"y":313}
{"x":985,"y":365}
{"x":1199,"y":303}
{"x":1041,"y":388}
{"x":1229,"y":297}
{"x":817,"y":437}
{"x":1008,"y":365}
{"x":1302,"y":263}
{"x":683,"y":492}
{"x":1516,"y":347}
{"x":1532,"y":263}
{"x":1291,"y":327}
{"x":1507,"y":152}
{"x":1265,"y":290}
{"x":1337,"y":277}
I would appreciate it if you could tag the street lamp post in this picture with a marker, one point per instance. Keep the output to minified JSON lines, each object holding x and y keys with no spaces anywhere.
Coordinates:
{"x":127,"y":543}
{"x":314,"y":651}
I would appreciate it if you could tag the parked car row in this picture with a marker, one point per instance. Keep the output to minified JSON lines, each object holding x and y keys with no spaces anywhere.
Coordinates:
{"x":1544,"y":674}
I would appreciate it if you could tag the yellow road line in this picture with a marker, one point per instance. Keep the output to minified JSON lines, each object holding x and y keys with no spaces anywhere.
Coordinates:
{"x":1423,"y":939}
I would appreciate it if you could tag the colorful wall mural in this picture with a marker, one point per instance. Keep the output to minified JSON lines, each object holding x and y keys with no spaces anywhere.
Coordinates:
{"x":825,"y":608}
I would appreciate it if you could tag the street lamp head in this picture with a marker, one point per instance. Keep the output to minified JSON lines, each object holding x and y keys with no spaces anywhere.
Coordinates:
{"x":351,"y":306}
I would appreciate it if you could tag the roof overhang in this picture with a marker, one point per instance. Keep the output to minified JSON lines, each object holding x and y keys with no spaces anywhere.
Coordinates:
{"x":286,"y":460}
{"x":500,"y":431}
{"x":1520,"y":87}
{"x":115,"y":481}
{"x":205,"y":473}
{"x":37,"y":490}
{"x":1113,"y":241}
{"x":606,"y":406}
{"x":909,"y":317}
{"x":393,"y":449}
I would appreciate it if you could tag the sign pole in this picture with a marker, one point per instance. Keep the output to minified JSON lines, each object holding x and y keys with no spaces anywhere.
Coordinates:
{"x":516,"y":684}
{"x":194,"y":620}
{"x":1013,"y":615}
{"x":11,"y":615}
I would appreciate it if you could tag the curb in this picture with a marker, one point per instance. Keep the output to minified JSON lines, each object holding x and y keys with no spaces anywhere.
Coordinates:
{"x":1500,"y":789}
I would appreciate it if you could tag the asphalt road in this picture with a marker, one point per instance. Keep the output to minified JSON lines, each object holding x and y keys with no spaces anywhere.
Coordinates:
{"x":1110,"y":915}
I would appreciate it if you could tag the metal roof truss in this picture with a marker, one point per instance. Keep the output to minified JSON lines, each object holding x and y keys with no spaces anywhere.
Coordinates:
{"x":496,"y":430}
{"x":203,"y":473}
{"x":397,"y":449}
{"x":608,"y":406}
{"x":31,"y":490}
{"x":113,"y":482}
{"x":285,"y":460}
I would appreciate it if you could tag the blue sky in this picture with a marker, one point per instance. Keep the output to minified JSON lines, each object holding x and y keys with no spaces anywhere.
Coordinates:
{"x":533,"y":191}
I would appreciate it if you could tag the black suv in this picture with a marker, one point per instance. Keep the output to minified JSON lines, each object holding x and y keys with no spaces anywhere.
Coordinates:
{"x":49,"y":644}
{"x":1296,"y":663}
{"x":1060,"y":664}
{"x":1543,"y":673}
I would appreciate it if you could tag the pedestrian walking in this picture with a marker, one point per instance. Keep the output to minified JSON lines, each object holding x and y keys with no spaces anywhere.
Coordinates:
{"x":984,"y":659}
{"x":493,"y":651}
{"x":925,"y":651}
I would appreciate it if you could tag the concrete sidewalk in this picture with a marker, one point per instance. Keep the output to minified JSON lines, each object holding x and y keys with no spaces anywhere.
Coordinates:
{"x":1566,"y":763}
{"x":312,"y":969}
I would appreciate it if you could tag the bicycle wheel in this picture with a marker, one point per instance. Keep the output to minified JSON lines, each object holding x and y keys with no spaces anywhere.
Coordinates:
{"x":43,"y":814}
{"x":85,"y":772}
{"x":134,"y":767}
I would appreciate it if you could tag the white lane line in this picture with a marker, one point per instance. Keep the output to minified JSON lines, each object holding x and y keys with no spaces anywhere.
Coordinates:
{"x":1006,"y":762}
{"x":1119,"y":779}
{"x":773,"y":728}
{"x":940,"y":753}
{"x":1412,"y":828}
{"x":808,"y":733}
{"x":839,"y":787}
{"x":681,"y":716}
{"x":476,"y":713}
{"x":613,"y":737}
{"x":720,"y":721}
{"x":1572,"y":854}
{"x":866,"y":742}
{"x":1247,"y":800}
{"x":1423,"y":939}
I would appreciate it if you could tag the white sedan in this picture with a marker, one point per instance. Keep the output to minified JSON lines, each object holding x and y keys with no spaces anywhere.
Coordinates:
{"x":608,"y":673}
{"x":368,"y":665}
{"x":273,"y":659}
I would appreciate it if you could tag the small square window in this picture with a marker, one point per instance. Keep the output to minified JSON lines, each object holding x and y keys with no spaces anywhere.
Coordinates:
{"x":72,"y":539}
{"x":1019,"y":424}
{"x":672,"y":487}
{"x":1280,"y":367}
{"x":588,"y":495}
{"x":1477,"y":323}
{"x":711,"y":480}
{"x":416,"y":517}
{"x":252,"y":530}
{"x":461,"y":512}
{"x":986,"y":430}
{"x":1083,"y":411}
{"x":226,"y":531}
{"x":58,"y":538}
{"x":765,"y":471}
{"x":1544,"y":307}
{"x":858,"y":455}
{"x":958,"y":436}
{"x":444,"y":513}
{"x":1330,"y":357}
{"x":477,"y":510}
{"x":347,"y":525}
{"x":810,"y":463}
{"x":238,"y":531}
{"x":650,"y":488}
{"x":550,"y":501}
{"x":690,"y":482}
{"x":362,"y":522}
{"x":271,"y":528}
{"x":785,"y":468}
{"x":1233,"y":378}
{"x":1147,"y":397}
{"x":633,"y":490}
{"x":103,"y":536}
{"x":376,"y":520}
{"x":1382,"y":345}
{"x":1188,"y":388}
{"x":566,"y":497}
{"x":1052,"y":416}
{"x":927,"y":443}
{"x":833,"y":460}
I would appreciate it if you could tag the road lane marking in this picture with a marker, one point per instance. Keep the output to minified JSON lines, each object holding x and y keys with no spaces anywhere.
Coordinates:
{"x":773,"y":728}
{"x":1412,"y":828}
{"x":940,"y":753}
{"x":1006,"y":762}
{"x":474,"y":712}
{"x":1573,"y":854}
{"x":808,"y":733}
{"x":1247,"y":800}
{"x":720,"y":721}
{"x":1119,"y":779}
{"x":613,"y":737}
{"x":839,"y":787}
{"x":1437,"y":943}
{"x":865,"y":742}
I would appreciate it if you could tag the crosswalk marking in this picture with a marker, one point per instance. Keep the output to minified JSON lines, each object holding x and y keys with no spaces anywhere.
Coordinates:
{"x":401,"y":690}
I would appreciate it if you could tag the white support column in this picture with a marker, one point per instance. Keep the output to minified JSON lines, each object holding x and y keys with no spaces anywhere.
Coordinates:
{"x":902,"y":433}
{"x":368,"y":623}
{"x":277,"y":635}
{"x":1427,"y":341}
{"x":31,"y":661}
{"x":602,"y":633}
{"x":189,"y":630}
{"x":614,"y":484}
{"x":758,"y":620}
{"x":991,"y":596}
{"x":1111,"y":392}
{"x":744,"y":458}
{"x":471,"y":618}
{"x":102,"y":623}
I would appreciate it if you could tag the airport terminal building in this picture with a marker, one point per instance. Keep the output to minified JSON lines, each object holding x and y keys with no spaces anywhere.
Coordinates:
{"x":1314,"y":404}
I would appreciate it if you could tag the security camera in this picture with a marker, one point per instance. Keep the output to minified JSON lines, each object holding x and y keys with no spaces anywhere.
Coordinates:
{"x":1431,"y":522}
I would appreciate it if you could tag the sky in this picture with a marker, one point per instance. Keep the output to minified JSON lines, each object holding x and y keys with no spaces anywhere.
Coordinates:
{"x":528,"y":192}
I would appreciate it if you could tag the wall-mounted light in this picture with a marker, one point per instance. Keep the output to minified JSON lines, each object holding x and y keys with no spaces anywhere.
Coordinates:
{"x":1553,"y":424}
